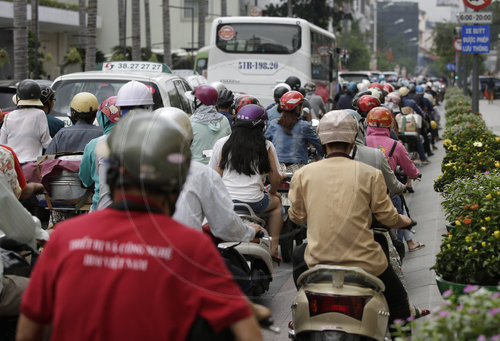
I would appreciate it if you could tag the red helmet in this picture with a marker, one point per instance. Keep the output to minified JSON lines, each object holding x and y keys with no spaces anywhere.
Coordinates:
{"x":290,"y":100}
{"x":241,"y":101}
{"x":388,"y":88}
{"x":376,"y":85}
{"x":207,"y":94}
{"x":110,"y":109}
{"x":367,"y":102}
{"x":379,"y":117}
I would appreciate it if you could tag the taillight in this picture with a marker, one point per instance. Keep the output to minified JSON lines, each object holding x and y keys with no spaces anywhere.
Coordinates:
{"x":284,"y":185}
{"x":325,"y":303}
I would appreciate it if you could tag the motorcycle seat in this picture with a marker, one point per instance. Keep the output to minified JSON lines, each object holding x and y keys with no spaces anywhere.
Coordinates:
{"x":348,"y":278}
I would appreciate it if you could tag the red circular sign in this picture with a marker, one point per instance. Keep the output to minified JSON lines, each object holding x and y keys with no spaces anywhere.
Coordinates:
{"x":477,"y":4}
{"x":227,"y":32}
{"x":457,"y":44}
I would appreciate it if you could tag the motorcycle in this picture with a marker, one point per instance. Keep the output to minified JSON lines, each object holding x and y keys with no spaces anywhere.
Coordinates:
{"x":339,"y":303}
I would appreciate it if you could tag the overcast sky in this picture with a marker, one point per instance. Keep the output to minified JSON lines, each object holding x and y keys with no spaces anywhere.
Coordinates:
{"x":438,"y":14}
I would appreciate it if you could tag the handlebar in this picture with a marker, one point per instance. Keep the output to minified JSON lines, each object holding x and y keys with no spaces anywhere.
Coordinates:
{"x":259,"y":234}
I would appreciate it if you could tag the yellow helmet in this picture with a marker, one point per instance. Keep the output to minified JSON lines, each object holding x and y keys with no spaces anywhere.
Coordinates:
{"x":84,"y":102}
{"x":434,"y":124}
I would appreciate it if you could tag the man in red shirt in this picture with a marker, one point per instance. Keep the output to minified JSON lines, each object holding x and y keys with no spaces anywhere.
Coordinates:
{"x":130,"y":272}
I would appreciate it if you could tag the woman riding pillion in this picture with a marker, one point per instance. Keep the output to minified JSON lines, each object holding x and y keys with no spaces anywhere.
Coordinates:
{"x":246,"y":159}
{"x":290,"y":135}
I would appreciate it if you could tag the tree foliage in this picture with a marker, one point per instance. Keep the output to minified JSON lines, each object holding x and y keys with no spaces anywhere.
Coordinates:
{"x":359,"y":54}
{"x":317,"y":12}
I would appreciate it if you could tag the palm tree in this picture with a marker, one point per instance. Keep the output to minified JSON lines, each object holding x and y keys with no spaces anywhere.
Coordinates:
{"x":223,"y":8}
{"x":136,"y":30}
{"x":148,"y":24}
{"x":167,"y":55}
{"x":91,"y":35}
{"x":82,"y":11}
{"x":122,"y":22}
{"x":202,"y":13}
{"x":20,"y":39}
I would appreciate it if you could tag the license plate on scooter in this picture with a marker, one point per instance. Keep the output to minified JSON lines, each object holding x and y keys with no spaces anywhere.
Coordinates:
{"x":284,"y":199}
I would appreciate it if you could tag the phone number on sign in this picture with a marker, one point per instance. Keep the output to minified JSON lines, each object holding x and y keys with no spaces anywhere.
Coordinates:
{"x":257,"y":65}
{"x":133,"y":66}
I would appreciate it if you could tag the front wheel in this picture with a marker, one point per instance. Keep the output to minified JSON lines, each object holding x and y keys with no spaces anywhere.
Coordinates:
{"x":286,"y":241}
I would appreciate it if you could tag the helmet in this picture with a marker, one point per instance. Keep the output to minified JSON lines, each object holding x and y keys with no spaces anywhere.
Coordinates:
{"x":430,"y":98}
{"x":291,"y":100}
{"x":403,"y":91}
{"x":337,"y":126}
{"x":420,"y":89}
{"x":367,"y":103}
{"x":379,"y":117}
{"x":294,"y":82}
{"x":109,"y":108}
{"x":412,"y":88}
{"x":241,"y":101}
{"x":362,"y":86}
{"x":226,"y":99}
{"x":28,"y":93}
{"x":133,"y":94}
{"x":434,"y":124}
{"x":352,"y":87}
{"x":388,"y":88}
{"x":376,"y":93}
{"x":84,"y":102}
{"x":358,"y":96}
{"x":279,"y":90}
{"x":149,"y":150}
{"x":377,"y":86}
{"x":310,"y":87}
{"x":251,"y":113}
{"x":393,"y":97}
{"x":206,"y":94}
{"x":46,"y":94}
{"x":219,"y":86}
{"x":178,"y":116}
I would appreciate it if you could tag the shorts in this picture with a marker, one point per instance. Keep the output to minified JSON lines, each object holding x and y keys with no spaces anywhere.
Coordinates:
{"x":258,"y":206}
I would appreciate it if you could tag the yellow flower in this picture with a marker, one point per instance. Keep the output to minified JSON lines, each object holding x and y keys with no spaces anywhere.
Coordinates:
{"x":458,"y":223}
{"x":448,"y":245}
{"x":483,"y":228}
{"x":496,"y":234}
{"x":497,"y":164}
{"x":475,"y":250}
{"x":446,"y":142}
{"x":483,"y":244}
{"x":487,"y":218}
{"x":489,"y":196}
{"x":497,"y":138}
{"x":468,"y":239}
{"x":440,"y":176}
{"x":450,"y":236}
{"x":470,"y":248}
{"x":455,"y":167}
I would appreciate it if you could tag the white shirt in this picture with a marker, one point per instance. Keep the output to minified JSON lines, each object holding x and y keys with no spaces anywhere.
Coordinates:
{"x":241,"y":187}
{"x":204,"y":195}
{"x":26,"y":131}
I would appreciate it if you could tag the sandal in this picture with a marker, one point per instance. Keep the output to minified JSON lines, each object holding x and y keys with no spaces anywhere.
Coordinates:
{"x":418,"y":247}
{"x":276,"y":260}
{"x":419,"y":312}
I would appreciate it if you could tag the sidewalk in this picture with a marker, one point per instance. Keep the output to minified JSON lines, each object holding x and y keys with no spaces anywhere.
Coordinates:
{"x":491,"y":114}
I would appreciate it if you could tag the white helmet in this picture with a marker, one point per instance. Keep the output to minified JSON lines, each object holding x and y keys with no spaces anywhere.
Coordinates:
{"x":279,"y":85}
{"x":178,"y":116}
{"x":134,"y":93}
{"x":429,"y":97}
{"x":219,"y":86}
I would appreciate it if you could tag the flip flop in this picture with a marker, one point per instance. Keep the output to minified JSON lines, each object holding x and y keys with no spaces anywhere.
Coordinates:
{"x":421,"y":312}
{"x":276,"y":260}
{"x":418,"y":247}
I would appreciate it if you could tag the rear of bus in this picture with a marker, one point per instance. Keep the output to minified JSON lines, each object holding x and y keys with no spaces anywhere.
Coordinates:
{"x":253,"y":54}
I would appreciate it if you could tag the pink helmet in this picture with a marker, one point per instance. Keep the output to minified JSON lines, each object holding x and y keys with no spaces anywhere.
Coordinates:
{"x":207,"y":94}
{"x":110,"y":109}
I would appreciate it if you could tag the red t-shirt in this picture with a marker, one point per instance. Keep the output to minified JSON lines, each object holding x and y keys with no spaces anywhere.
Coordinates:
{"x":117,"y":275}
{"x":17,"y":166}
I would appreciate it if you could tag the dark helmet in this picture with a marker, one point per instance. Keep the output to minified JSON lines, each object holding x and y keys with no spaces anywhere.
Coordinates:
{"x":150,"y":151}
{"x":226,"y":99}
{"x":279,"y":90}
{"x":28,"y":93}
{"x":302,"y":91}
{"x":294,"y":82}
{"x":47,"y":94}
{"x":207,"y":94}
{"x":310,"y":87}
{"x":241,"y":101}
{"x":251,"y":115}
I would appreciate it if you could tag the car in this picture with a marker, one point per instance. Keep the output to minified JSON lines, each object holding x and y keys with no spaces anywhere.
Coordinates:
{"x":346,"y":77}
{"x":390,"y":76}
{"x":8,"y":90}
{"x":168,"y":90}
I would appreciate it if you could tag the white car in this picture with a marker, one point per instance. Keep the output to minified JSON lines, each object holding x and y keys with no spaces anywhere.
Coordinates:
{"x":168,"y":90}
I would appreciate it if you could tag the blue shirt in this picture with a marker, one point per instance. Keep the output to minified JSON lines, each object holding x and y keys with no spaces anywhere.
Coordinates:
{"x":73,"y":138}
{"x":55,"y":125}
{"x":408,"y":102}
{"x":293,"y":148}
{"x":229,"y":118}
{"x":272,"y":112}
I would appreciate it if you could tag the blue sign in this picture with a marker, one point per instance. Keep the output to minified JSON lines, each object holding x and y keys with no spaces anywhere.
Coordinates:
{"x":476,"y":39}
{"x":450,"y":67}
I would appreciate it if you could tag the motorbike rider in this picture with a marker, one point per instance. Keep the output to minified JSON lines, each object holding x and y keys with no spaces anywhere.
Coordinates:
{"x":290,"y":135}
{"x":317,"y":104}
{"x":74,"y":138}
{"x":225,"y":105}
{"x":208,"y":124}
{"x":278,"y":91}
{"x":337,"y":197}
{"x":47,"y":96}
{"x":26,"y":130}
{"x":246,"y":158}
{"x":134,"y":257}
{"x":345,"y":100}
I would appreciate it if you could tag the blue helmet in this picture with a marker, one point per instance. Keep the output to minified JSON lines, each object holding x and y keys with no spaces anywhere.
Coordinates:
{"x":419,"y":89}
{"x":352,"y":87}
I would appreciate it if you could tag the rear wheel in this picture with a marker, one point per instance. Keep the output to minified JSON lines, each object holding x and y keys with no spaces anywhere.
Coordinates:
{"x":286,"y":241}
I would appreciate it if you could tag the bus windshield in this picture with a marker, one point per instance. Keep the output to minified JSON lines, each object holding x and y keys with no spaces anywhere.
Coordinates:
{"x":258,"y":39}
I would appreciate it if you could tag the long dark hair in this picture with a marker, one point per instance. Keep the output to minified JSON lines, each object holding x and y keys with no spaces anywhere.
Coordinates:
{"x":245,"y":151}
{"x":287,"y":120}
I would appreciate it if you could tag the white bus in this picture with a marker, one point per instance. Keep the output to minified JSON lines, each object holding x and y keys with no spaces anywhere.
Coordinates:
{"x":252,"y":54}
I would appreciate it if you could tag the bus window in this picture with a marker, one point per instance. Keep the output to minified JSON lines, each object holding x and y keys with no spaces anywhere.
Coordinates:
{"x":321,"y":49}
{"x":259,"y":39}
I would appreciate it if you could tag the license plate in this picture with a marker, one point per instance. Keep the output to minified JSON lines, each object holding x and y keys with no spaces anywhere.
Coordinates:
{"x":284,"y":199}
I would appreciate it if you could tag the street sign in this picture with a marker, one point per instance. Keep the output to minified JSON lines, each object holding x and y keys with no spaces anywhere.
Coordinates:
{"x":475,"y":17}
{"x":457,"y":44}
{"x":255,"y":11}
{"x":476,"y":39}
{"x":450,"y":67}
{"x":477,"y":4}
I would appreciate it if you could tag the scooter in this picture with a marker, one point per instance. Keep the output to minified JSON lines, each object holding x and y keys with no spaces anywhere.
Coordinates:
{"x":257,"y":262}
{"x":339,"y":303}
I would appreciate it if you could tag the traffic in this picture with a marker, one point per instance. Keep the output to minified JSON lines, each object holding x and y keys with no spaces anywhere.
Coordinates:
{"x":142,"y":203}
